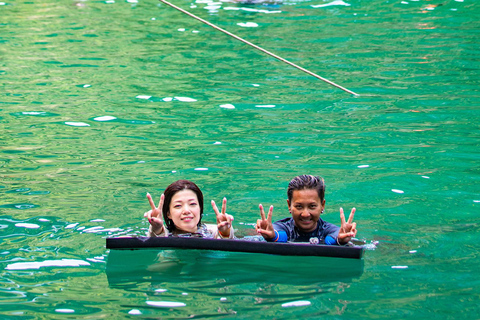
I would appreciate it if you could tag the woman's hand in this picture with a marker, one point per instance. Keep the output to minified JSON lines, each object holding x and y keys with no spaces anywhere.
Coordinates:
{"x":347,"y":229}
{"x":264,"y":225}
{"x":224,"y":220}
{"x":154,"y":216}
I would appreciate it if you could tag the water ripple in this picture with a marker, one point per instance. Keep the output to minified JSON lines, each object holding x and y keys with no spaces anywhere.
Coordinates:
{"x":252,"y":10}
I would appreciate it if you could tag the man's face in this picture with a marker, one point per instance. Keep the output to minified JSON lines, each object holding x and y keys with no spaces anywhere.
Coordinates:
{"x":306,"y":208}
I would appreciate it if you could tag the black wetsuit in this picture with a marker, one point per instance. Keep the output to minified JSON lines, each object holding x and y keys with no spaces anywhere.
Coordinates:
{"x":287,"y":231}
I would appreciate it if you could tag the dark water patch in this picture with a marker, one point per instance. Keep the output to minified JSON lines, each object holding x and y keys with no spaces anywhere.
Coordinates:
{"x":31,"y":168}
{"x":45,"y":156}
{"x":134,"y":137}
{"x":132,"y":162}
{"x":52,"y":62}
{"x":140,"y":122}
{"x":25,"y":134}
{"x":19,"y":206}
{"x":18,"y":190}
{"x":77,"y":65}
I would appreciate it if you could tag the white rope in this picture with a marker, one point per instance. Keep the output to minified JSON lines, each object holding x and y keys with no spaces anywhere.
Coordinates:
{"x":258,"y":48}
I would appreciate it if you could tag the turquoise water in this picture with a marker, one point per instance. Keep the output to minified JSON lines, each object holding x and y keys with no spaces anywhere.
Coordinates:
{"x":101,"y":102}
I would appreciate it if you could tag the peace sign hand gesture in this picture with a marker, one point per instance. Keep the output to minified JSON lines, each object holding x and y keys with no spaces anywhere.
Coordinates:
{"x":347,"y":229}
{"x":154,"y":216}
{"x":224,"y":220}
{"x":264,"y":225}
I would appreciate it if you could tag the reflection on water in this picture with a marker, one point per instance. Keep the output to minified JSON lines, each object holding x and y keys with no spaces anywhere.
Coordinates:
{"x":178,"y":266}
{"x":258,"y":280}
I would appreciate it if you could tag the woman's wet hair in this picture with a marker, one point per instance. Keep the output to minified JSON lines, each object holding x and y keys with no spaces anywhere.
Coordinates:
{"x":170,"y":191}
{"x":306,"y":182}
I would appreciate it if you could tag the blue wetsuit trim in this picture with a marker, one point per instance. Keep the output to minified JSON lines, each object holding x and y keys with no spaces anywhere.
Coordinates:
{"x":329,"y":240}
{"x":280,"y":236}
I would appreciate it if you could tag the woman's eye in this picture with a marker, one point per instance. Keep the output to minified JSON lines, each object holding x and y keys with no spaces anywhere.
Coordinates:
{"x":193,"y":204}
{"x":177,"y":206}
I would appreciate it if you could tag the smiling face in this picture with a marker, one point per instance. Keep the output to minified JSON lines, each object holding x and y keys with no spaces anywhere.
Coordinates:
{"x":184,"y":210}
{"x":306,"y":207}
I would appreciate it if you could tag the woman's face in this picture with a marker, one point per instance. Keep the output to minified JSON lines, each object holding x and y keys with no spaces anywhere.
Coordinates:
{"x":185,"y":211}
{"x":306,"y":208}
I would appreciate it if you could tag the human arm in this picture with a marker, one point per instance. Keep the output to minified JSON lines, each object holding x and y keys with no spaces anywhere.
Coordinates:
{"x":348,"y":229}
{"x":224,"y":221}
{"x":154,"y":217}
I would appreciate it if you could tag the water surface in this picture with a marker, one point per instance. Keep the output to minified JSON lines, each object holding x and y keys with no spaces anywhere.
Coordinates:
{"x":103,"y":101}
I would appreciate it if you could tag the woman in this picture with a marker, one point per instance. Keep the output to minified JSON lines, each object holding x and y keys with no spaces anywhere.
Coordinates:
{"x":181,"y":206}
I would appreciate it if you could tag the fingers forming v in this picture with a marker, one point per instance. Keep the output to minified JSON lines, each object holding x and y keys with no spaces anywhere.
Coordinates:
{"x":262,"y":212}
{"x":150,"y":200}
{"x":160,"y":203}
{"x":215,"y":209}
{"x":342,"y":217}
{"x":270,"y":213}
{"x":224,"y":205}
{"x":350,"y":217}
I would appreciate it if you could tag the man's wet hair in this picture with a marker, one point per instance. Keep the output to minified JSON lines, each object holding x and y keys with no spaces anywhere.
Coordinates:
{"x":304,"y":182}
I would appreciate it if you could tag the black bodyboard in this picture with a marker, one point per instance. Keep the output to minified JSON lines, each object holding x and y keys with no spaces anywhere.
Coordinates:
{"x":236,"y":245}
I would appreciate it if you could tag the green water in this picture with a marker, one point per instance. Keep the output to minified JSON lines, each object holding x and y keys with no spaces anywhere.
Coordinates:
{"x":101,"y":102}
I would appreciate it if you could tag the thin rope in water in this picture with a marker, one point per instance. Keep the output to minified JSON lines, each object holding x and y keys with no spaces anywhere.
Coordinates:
{"x":258,"y":48}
